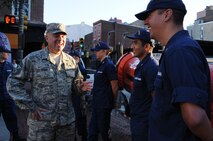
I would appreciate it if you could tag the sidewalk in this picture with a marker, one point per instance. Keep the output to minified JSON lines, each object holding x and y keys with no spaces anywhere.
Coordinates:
{"x":4,"y":134}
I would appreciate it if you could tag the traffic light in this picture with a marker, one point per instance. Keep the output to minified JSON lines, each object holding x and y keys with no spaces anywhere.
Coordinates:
{"x":10,"y":19}
{"x":81,"y":43}
{"x":25,"y":22}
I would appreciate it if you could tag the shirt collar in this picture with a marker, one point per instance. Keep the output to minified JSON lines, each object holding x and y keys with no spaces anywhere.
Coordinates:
{"x":176,"y":36}
{"x":144,"y":60}
{"x":46,"y":52}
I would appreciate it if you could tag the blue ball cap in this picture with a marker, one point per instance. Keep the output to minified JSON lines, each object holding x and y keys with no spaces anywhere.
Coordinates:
{"x":99,"y":46}
{"x":161,"y":4}
{"x":4,"y":43}
{"x":75,"y":53}
{"x":141,"y":34}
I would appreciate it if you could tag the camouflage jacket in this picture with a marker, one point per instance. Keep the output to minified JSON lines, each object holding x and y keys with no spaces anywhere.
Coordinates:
{"x":51,"y":85}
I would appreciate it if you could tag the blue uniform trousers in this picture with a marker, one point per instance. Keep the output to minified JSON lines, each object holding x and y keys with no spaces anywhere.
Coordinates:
{"x":139,"y":129}
{"x":8,"y":111}
{"x":100,"y":123}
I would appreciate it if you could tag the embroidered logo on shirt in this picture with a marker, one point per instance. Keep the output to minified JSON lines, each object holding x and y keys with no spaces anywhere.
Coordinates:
{"x":99,"y":72}
{"x":9,"y":70}
{"x":159,"y":73}
{"x":137,"y":78}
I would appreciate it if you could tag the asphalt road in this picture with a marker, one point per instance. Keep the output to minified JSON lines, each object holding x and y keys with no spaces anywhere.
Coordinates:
{"x":119,"y":128}
{"x":4,"y":133}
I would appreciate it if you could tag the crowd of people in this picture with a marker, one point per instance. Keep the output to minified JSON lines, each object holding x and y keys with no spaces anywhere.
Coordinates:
{"x":170,"y":100}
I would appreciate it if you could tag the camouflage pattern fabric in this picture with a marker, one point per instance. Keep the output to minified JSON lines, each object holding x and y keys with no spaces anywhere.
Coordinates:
{"x":51,"y":86}
{"x":46,"y":131}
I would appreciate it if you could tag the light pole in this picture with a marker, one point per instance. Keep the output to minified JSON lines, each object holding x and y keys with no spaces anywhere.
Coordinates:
{"x":123,"y":41}
{"x":108,"y":37}
{"x":20,"y":32}
{"x":201,"y":36}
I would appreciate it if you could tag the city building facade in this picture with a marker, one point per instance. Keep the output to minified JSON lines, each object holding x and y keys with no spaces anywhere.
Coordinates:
{"x":202,"y":28}
{"x":113,"y":32}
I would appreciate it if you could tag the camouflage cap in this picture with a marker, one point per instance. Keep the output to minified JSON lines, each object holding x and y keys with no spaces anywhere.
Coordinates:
{"x":4,"y":43}
{"x":55,"y":28}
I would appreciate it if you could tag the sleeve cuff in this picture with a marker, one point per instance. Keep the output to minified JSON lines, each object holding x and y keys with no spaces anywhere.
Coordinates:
{"x":190,"y":95}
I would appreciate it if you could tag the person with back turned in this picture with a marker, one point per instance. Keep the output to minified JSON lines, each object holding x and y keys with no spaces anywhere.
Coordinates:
{"x":79,"y":101}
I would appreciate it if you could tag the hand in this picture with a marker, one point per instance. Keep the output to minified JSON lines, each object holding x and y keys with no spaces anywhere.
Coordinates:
{"x":36,"y":115}
{"x":86,"y":86}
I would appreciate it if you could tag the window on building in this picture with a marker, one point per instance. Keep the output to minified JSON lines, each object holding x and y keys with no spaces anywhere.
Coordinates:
{"x":27,"y":7}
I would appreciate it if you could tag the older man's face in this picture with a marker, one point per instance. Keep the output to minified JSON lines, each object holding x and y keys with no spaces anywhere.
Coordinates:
{"x":56,"y":42}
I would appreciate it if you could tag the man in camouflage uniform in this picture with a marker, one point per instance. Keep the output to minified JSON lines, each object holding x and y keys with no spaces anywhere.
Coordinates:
{"x":53,"y":75}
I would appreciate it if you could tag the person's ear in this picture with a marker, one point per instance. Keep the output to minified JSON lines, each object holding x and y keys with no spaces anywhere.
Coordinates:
{"x":147,"y":47}
{"x":168,"y":14}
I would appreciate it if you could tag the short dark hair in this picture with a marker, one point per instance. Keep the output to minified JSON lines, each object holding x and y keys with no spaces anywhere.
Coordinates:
{"x":143,"y":43}
{"x":178,"y":16}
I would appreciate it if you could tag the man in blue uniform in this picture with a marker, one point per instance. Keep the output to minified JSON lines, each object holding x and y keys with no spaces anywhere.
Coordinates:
{"x":181,"y":104}
{"x":104,"y":94}
{"x":7,"y":105}
{"x":143,"y":85}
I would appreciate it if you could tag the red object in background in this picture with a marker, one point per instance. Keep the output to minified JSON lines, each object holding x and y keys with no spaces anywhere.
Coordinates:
{"x":126,"y":67}
{"x":10,"y":19}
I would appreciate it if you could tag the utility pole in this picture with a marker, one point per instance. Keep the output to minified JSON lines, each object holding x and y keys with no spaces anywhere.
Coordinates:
{"x":108,"y":37}
{"x":123,"y":42}
{"x":20,"y":32}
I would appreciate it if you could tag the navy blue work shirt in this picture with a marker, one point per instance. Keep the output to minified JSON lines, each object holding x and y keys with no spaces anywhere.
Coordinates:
{"x":143,"y":84}
{"x":102,"y":90}
{"x":141,"y":99}
{"x":183,"y":76}
{"x":5,"y":69}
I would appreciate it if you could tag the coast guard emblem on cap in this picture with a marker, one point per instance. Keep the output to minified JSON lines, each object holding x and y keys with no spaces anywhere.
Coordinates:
{"x":139,"y":32}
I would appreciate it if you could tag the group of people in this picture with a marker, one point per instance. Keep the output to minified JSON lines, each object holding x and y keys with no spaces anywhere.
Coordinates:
{"x":170,"y":99}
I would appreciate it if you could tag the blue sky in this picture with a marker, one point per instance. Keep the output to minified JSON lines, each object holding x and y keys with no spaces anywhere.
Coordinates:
{"x":72,"y":12}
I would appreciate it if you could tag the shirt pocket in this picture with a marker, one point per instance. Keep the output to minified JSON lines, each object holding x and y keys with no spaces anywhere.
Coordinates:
{"x":44,"y":73}
{"x":71,"y":73}
{"x":158,"y":82}
{"x":8,"y":72}
{"x":138,"y":82}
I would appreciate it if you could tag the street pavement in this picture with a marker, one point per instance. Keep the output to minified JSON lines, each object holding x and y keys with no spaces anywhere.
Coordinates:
{"x":120,"y":127}
{"x":4,"y":133}
{"x":120,"y":130}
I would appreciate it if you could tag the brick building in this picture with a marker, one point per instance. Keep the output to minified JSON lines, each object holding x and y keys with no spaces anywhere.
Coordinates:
{"x":113,"y":33}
